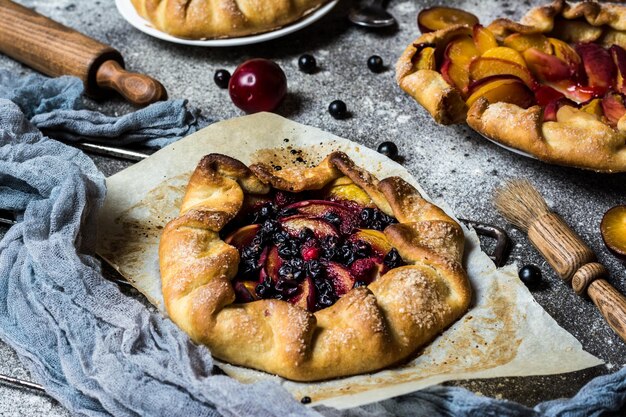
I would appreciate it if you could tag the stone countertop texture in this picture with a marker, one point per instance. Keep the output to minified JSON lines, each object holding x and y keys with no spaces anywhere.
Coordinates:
{"x":452,"y":163}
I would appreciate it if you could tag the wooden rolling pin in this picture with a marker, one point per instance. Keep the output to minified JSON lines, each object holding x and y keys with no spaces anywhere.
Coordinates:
{"x":521,"y":204}
{"x":55,"y":50}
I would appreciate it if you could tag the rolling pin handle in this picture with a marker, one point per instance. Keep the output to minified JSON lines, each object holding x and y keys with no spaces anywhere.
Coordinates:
{"x":139,"y":89}
{"x":611,"y":303}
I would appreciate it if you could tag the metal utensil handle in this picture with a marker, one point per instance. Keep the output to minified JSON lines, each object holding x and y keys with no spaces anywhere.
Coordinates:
{"x":21,"y":383}
{"x":503,"y":243}
{"x":113,"y":151}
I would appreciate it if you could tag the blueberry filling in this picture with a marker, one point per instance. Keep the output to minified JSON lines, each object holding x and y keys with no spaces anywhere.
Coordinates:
{"x":309,"y":252}
{"x":375,"y":219}
{"x":392,"y":259}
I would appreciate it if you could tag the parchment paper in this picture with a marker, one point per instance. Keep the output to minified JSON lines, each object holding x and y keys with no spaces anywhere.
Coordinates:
{"x":505,"y":333}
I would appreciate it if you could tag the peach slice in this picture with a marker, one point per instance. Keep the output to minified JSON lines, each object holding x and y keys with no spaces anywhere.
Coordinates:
{"x":315,"y":208}
{"x":521,"y":42}
{"x":436,"y":18}
{"x":377,"y":241}
{"x":613,"y":230}
{"x":546,"y":67}
{"x":305,"y":297}
{"x":272,"y":262}
{"x":343,"y":189}
{"x":484,"y":39}
{"x":551,"y":110}
{"x":577,"y":92}
{"x":340,"y":190}
{"x":507,"y":54}
{"x":594,"y":107}
{"x":613,"y":107}
{"x":566,"y":54}
{"x":424,"y":57}
{"x":421,"y":46}
{"x":456,"y":59}
{"x":242,"y":237}
{"x":455,"y":75}
{"x":461,"y":50}
{"x":340,"y":278}
{"x":598,"y":64}
{"x":545,"y":94}
{"x":337,"y":214}
{"x":487,"y":67}
{"x":502,"y":88}
{"x":619,"y":58}
{"x":320,"y":208}
{"x":426,"y":60}
{"x":295,"y":224}
{"x":245,"y":291}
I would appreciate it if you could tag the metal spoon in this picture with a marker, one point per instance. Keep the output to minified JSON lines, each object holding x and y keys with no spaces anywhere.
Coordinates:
{"x":372,"y":15}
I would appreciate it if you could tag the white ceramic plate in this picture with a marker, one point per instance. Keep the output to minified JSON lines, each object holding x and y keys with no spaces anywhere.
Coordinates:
{"x":508,"y":148}
{"x":129,"y":13}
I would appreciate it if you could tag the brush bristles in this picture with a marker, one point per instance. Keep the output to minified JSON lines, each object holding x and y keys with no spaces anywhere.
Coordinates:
{"x":520,"y":203}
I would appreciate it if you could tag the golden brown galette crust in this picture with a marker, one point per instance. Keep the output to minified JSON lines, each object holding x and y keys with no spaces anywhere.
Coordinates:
{"x":580,"y":141}
{"x":443,"y":101}
{"x":572,"y":22}
{"x":210,"y":19}
{"x":367,"y":329}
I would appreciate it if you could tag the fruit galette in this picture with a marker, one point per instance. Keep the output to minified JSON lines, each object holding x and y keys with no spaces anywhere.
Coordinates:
{"x":210,"y":19}
{"x":552,"y":86}
{"x":310,"y":272}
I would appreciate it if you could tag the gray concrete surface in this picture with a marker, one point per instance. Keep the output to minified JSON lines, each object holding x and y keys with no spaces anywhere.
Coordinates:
{"x":451,"y":163}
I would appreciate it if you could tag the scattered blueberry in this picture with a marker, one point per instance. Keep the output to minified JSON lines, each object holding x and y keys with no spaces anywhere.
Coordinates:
{"x":305,"y":400}
{"x":389,"y":149}
{"x":307,"y":64}
{"x":221,"y":78}
{"x":530,"y":275}
{"x":338,"y":109}
{"x":375,"y":64}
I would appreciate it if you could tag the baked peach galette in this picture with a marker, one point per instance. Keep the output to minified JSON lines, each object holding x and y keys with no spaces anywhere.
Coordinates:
{"x":552,"y":86}
{"x":310,"y":272}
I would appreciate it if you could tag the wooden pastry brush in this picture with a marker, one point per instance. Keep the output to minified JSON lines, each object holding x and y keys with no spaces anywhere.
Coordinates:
{"x":521,"y":204}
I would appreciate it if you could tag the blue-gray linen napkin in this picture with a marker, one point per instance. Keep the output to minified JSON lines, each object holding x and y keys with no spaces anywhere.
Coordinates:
{"x":102,"y":353}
